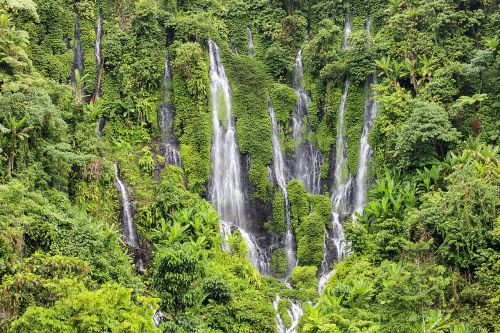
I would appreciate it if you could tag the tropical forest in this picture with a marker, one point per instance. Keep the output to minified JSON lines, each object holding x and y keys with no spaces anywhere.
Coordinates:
{"x":257,"y":166}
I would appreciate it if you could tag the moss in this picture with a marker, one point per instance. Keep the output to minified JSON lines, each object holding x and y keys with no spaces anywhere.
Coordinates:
{"x":284,"y":100}
{"x":193,"y":124}
{"x":321,"y":204}
{"x":279,"y":264}
{"x":248,"y":80}
{"x":327,"y":127}
{"x":278,"y":225}
{"x":310,"y":240}
{"x":48,"y":49}
{"x":299,"y":205}
{"x":304,"y":277}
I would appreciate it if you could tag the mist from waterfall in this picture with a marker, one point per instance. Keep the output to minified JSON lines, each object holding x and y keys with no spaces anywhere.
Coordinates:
{"x":279,"y":171}
{"x":129,"y":232}
{"x":307,"y":158}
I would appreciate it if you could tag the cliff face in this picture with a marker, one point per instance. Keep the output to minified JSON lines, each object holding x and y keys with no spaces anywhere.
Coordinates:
{"x":339,"y":147}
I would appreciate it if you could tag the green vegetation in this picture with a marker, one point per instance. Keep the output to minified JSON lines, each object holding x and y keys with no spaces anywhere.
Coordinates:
{"x":425,"y":249}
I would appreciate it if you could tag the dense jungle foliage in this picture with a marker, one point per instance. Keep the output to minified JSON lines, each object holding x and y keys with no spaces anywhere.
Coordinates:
{"x":424,"y":253}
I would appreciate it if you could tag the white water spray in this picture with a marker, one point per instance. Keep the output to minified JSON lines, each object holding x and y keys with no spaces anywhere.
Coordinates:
{"x":295,"y":312}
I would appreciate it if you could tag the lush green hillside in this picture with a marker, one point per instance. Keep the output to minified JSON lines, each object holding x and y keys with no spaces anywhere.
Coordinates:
{"x":85,"y":89}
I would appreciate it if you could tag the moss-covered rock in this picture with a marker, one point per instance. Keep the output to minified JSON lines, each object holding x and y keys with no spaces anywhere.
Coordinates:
{"x":299,"y":204}
{"x":304,"y":277}
{"x":278,"y":225}
{"x":310,"y":240}
{"x":279,"y":263}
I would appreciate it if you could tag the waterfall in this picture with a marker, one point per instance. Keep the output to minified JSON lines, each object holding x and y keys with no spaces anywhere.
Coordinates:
{"x":77,"y":54}
{"x":364,"y":148}
{"x":129,"y":233}
{"x":257,"y":256}
{"x":250,"y":42}
{"x":226,"y":188}
{"x":307,"y":158}
{"x":324,"y":280}
{"x":100,"y":125}
{"x":97,"y":53}
{"x":279,"y":171}
{"x":226,"y":192}
{"x":98,"y":37}
{"x":342,"y":188}
{"x":347,"y":31}
{"x":166,"y":111}
{"x":98,"y":59}
{"x":295,"y":313}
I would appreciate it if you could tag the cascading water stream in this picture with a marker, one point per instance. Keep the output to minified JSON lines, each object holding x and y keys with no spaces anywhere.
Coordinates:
{"x":346,"y":33}
{"x":226,"y":188}
{"x":166,"y":111}
{"x":250,"y":43}
{"x":77,"y":54}
{"x":295,"y":313}
{"x":307,"y":158}
{"x":98,"y":59}
{"x":365,"y":149}
{"x":129,"y":232}
{"x":97,"y":53}
{"x":342,"y":183}
{"x":279,"y":171}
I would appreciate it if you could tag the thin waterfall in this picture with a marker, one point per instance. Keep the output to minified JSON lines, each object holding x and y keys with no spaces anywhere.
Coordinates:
{"x":364,"y":148}
{"x":167,"y":114}
{"x":295,"y":313}
{"x":342,"y":188}
{"x":250,"y":43}
{"x":226,"y":187}
{"x":346,"y":33}
{"x":279,"y":171}
{"x":307,"y":158}
{"x":129,"y":232}
{"x":97,"y":53}
{"x":77,"y":55}
{"x":98,"y":59}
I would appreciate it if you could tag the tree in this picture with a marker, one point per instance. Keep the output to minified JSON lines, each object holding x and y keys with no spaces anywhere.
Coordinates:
{"x":473,"y":102}
{"x":17,"y":131}
{"x":425,"y":135}
{"x":178,"y":270}
{"x":111,"y":308}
